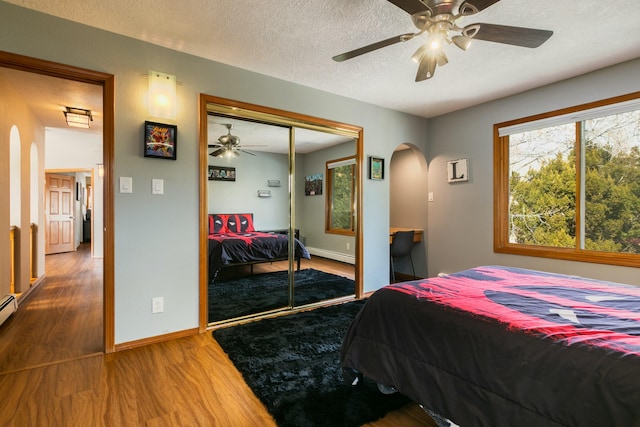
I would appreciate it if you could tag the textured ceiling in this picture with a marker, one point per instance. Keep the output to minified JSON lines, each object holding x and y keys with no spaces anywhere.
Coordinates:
{"x":295,"y":39}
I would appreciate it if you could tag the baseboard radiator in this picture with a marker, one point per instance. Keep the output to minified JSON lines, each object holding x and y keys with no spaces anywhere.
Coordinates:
{"x":8,"y":305}
{"x":336,"y":256}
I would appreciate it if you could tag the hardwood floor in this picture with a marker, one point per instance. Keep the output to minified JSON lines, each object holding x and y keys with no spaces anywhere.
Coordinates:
{"x":61,"y":319}
{"x":53,"y":371}
{"x":324,"y":264}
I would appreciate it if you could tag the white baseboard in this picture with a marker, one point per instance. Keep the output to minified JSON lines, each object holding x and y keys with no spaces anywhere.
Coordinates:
{"x":336,"y":256}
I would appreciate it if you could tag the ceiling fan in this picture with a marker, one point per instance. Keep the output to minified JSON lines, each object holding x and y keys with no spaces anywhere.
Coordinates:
{"x":437,"y":18}
{"x":229,"y":145}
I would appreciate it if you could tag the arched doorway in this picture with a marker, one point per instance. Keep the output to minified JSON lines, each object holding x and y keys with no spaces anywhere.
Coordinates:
{"x":408,"y":200}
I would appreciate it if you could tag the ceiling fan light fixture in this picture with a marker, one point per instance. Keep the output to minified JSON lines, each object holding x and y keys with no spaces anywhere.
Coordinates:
{"x":437,"y":39}
{"x":419,"y":53}
{"x":462,"y":42}
{"x":441,"y":59}
{"x":426,"y":68}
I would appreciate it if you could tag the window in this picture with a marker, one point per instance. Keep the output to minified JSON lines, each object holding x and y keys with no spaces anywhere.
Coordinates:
{"x":340,"y":204}
{"x":567,"y":183}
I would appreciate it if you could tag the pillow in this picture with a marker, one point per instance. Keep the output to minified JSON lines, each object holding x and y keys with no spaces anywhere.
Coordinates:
{"x":217,"y":224}
{"x":240,"y":223}
{"x":230,"y":223}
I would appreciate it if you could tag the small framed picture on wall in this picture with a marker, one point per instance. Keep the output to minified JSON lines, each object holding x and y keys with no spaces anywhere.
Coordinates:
{"x":313,"y":185}
{"x":160,"y":140}
{"x":376,"y":168}
{"x":458,"y":170}
{"x":222,"y":173}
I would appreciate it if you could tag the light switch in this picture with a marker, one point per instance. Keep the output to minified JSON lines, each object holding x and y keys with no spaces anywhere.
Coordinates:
{"x":157,"y":186}
{"x":126,"y":184}
{"x":430,"y":197}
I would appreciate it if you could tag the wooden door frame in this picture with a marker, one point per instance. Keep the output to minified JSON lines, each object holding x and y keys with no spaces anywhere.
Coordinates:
{"x":107,"y":82}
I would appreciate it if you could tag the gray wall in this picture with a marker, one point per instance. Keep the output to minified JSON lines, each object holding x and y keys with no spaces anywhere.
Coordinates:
{"x":156,"y":237}
{"x":241,"y":195}
{"x":461,"y":216}
{"x":311,"y":209}
{"x":252,"y":173}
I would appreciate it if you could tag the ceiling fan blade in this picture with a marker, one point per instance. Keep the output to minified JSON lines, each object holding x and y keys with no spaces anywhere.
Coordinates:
{"x":471,"y":7}
{"x":517,"y":36}
{"x":245,"y":151}
{"x":217,"y":152}
{"x":410,"y":6}
{"x":372,"y":47}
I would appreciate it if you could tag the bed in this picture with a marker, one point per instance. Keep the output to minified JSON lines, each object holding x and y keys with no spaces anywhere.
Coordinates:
{"x":234,"y":241}
{"x":501,"y":346}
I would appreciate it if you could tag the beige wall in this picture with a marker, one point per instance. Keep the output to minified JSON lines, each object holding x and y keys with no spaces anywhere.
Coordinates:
{"x":14,"y":112}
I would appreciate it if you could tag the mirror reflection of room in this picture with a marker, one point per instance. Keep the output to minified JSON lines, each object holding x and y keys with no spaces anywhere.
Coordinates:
{"x":249,"y":217}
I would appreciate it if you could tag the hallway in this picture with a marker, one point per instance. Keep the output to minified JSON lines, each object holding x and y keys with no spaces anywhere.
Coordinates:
{"x":61,"y":319}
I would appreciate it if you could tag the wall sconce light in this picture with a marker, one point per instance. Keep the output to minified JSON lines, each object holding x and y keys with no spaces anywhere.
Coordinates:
{"x":100,"y":170}
{"x":162,"y":95}
{"x":78,"y":117}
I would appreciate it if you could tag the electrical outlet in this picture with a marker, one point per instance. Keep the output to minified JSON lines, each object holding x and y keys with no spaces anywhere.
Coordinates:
{"x":348,"y":245}
{"x":157,"y":305}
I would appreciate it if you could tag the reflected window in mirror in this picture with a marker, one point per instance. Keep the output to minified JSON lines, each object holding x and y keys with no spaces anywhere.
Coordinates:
{"x":341,"y":186}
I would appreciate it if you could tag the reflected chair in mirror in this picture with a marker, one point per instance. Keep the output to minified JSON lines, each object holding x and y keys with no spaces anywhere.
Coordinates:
{"x":401,"y":244}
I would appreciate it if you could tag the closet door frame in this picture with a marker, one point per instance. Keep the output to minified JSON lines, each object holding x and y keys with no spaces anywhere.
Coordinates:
{"x":215,"y":105}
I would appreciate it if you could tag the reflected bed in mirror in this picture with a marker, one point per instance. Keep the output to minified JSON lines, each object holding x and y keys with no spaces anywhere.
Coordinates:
{"x":234,"y":241}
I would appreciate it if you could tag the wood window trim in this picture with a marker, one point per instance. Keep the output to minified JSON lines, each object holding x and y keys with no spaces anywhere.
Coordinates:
{"x":328,"y":204}
{"x":501,"y":242}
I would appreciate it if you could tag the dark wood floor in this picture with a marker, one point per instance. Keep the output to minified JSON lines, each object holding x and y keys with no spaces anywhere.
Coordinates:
{"x":53,"y":371}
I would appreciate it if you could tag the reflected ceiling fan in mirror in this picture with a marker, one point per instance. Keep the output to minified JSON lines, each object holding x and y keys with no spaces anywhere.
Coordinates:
{"x":437,"y":19}
{"x":229,"y":145}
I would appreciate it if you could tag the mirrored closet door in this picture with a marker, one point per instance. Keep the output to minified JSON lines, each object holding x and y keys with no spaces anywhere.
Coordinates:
{"x":277,"y":232}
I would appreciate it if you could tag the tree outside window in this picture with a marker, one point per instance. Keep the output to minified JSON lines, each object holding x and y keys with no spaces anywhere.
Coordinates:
{"x":571,"y":190}
{"x":340,"y":205}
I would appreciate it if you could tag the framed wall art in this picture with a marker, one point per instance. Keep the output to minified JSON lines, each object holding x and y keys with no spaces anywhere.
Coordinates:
{"x":221,"y":173}
{"x":313,"y":185}
{"x":160,"y":140}
{"x":458,"y":170}
{"x":376,"y":168}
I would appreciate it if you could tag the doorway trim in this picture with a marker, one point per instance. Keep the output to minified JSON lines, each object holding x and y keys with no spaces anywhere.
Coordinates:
{"x":107,"y":81}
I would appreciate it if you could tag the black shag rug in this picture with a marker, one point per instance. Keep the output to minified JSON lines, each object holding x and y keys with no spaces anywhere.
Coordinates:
{"x":269,"y":291}
{"x":292,"y":363}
